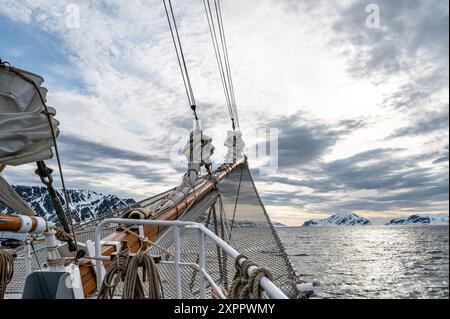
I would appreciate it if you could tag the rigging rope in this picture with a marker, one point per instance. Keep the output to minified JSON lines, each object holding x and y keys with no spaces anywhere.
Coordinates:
{"x":180,"y":56}
{"x":227,"y":61}
{"x":223,"y":63}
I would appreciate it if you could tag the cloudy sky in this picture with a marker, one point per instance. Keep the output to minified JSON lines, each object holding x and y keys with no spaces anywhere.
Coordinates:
{"x":362,"y":113}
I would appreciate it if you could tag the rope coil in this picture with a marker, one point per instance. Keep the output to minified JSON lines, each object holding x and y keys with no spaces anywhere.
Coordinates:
{"x":6,"y":270}
{"x":125,"y":269}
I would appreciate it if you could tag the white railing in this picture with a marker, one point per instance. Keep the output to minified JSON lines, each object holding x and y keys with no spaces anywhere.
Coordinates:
{"x":272,"y":291}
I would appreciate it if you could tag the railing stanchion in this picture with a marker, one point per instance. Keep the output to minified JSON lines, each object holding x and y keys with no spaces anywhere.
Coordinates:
{"x":201,"y":261}
{"x":176,"y":235}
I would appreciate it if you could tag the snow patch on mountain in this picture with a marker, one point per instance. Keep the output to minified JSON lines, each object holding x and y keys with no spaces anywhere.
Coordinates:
{"x":438,"y":219}
{"x":345,"y":219}
{"x":84,"y":204}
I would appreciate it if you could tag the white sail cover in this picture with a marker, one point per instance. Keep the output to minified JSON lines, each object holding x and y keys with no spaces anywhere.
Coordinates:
{"x":25,"y":133}
{"x":199,"y":149}
{"x":232,"y":154}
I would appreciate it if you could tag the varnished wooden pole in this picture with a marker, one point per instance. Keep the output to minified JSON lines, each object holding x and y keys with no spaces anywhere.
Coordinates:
{"x":22,"y":224}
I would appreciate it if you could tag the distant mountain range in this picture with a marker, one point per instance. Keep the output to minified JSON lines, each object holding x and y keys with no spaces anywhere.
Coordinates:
{"x":441,"y":219}
{"x":350,"y":219}
{"x":85,"y":204}
{"x":252,"y":224}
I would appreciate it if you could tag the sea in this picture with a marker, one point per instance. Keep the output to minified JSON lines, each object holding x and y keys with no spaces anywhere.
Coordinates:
{"x":391,"y":262}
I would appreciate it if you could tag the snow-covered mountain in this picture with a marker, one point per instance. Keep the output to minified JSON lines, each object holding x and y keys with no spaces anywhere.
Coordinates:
{"x":85,"y":204}
{"x":440,"y":219}
{"x":252,"y":224}
{"x":346,"y":219}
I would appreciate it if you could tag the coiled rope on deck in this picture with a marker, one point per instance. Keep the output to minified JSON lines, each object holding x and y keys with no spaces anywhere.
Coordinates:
{"x":6,"y":270}
{"x":114,"y":274}
{"x":244,"y":286}
{"x":133,"y":288}
{"x":125,"y":268}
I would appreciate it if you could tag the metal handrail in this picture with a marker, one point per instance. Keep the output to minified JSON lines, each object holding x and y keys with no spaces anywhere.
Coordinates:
{"x":269,"y":287}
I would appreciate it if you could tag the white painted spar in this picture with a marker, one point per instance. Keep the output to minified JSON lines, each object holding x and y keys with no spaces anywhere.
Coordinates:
{"x":25,"y":224}
{"x":41,"y":225}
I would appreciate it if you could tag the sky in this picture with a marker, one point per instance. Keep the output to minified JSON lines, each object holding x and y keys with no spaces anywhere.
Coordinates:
{"x":361,"y":110}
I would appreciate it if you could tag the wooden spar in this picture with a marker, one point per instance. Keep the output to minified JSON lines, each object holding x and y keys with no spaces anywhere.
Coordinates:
{"x":87,"y":273}
{"x":2,"y":167}
{"x":22,"y":223}
{"x":10,"y":223}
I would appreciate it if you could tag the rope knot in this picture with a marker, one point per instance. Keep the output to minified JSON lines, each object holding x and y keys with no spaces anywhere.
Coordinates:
{"x":245,"y":286}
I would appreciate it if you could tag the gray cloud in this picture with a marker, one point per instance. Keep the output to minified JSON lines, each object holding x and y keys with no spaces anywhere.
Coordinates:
{"x":413,"y":42}
{"x":93,"y":159}
{"x":409,"y":28}
{"x":399,"y":183}
{"x":418,"y":92}
{"x":379,"y":170}
{"x":302,"y":141}
{"x":79,"y":149}
{"x":428,"y":123}
{"x":442,"y":157}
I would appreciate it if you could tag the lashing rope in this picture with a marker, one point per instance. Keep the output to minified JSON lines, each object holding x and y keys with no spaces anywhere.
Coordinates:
{"x":6,"y":270}
{"x":61,"y":235}
{"x":244,"y":286}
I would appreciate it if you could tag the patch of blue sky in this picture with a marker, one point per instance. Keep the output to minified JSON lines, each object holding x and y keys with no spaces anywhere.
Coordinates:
{"x":27,"y":46}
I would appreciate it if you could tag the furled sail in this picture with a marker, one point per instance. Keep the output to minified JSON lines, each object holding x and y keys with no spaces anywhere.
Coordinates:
{"x":235,"y":145}
{"x":25,"y":133}
{"x":11,"y":199}
{"x":198,"y":151}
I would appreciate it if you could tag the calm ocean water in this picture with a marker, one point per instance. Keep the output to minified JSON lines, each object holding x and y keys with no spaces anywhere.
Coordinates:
{"x":372,"y":262}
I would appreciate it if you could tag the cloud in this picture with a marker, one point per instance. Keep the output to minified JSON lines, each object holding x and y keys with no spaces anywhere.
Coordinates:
{"x":426,"y":124}
{"x":368,"y":181}
{"x":81,"y":150}
{"x":16,"y":11}
{"x":303,"y":140}
{"x":442,"y":156}
{"x":411,"y":33}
